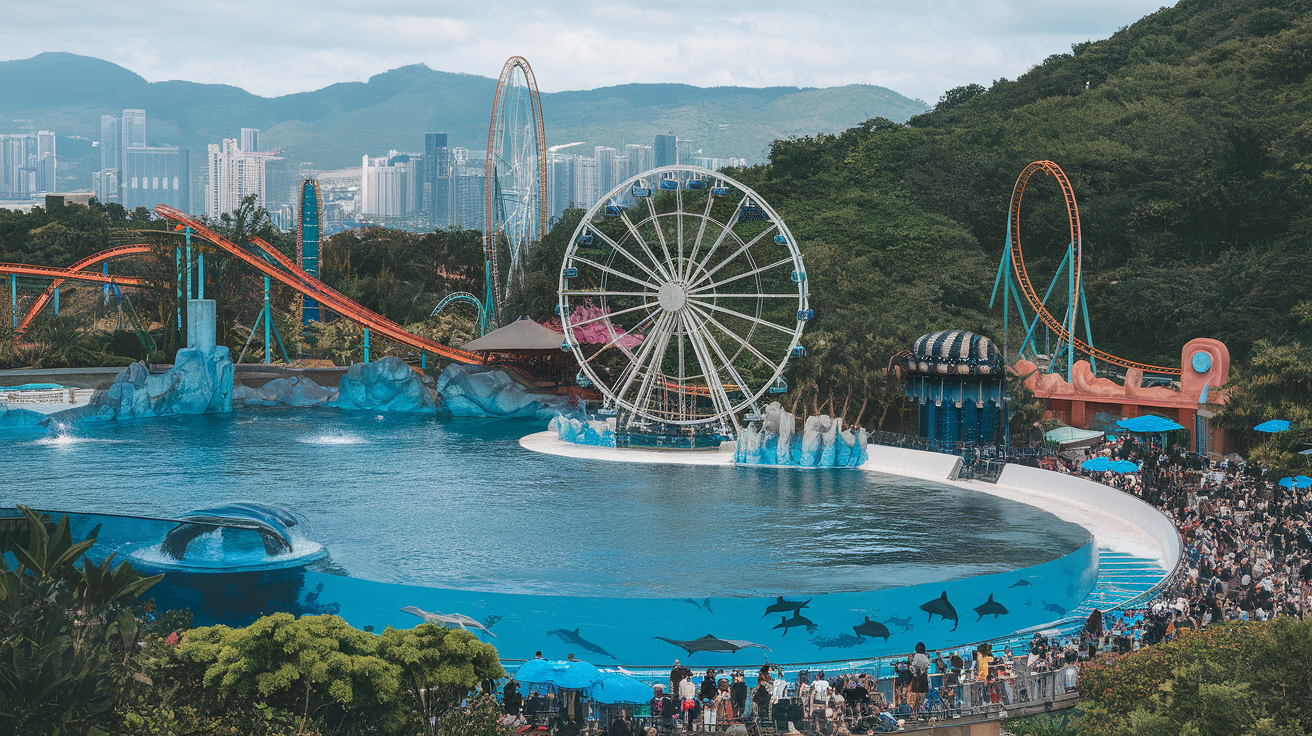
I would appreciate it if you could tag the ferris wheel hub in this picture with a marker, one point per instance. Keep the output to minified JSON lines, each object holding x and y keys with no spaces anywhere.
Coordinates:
{"x":672,"y":296}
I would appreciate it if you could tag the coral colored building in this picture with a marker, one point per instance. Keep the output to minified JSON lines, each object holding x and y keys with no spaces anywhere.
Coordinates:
{"x":1089,"y":402}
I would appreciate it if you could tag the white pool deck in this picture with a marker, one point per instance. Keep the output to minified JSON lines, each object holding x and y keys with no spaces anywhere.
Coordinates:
{"x":1119,"y":522}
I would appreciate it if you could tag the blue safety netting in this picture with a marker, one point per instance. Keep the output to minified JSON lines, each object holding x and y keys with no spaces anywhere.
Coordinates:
{"x":1273,"y":426}
{"x":1147,"y":423}
{"x":559,"y":673}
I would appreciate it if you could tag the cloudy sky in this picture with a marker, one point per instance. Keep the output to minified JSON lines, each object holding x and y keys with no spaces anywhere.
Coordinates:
{"x":917,"y":47}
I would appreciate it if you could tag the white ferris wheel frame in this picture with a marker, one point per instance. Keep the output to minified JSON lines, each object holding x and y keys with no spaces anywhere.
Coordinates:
{"x":725,"y":408}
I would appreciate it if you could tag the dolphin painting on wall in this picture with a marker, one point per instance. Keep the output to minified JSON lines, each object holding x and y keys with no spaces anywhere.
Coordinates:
{"x":447,"y":620}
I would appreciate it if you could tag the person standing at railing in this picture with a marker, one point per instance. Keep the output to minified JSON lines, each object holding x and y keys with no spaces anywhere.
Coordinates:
{"x":919,"y":677}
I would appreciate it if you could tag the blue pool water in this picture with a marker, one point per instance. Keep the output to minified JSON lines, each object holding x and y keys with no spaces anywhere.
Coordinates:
{"x":458,"y":503}
{"x":610,"y":561}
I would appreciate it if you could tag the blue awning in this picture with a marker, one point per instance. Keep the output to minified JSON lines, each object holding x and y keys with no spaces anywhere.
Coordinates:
{"x":1147,"y":423}
{"x":1273,"y":426}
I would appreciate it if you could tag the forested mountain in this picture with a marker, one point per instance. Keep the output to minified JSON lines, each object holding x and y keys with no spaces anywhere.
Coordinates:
{"x":333,"y":127}
{"x":1187,"y":138}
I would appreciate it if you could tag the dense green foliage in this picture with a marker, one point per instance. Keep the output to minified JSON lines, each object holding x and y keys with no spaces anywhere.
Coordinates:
{"x":67,"y":635}
{"x":1243,"y":679}
{"x":1275,"y":384}
{"x":1185,"y":138}
{"x":403,"y":275}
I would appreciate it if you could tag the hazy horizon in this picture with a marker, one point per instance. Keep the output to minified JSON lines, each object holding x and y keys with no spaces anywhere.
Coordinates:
{"x":918,"y":50}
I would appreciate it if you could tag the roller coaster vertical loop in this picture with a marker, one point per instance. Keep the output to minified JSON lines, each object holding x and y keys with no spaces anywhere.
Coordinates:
{"x":516,"y":177}
{"x":1064,"y":329}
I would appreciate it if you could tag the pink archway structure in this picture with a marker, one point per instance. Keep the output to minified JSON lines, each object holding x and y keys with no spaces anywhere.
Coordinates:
{"x":1204,"y":365}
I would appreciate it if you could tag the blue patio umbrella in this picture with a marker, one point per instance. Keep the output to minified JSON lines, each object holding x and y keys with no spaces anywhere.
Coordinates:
{"x":1096,"y":464}
{"x":1286,"y":482}
{"x":1123,"y":466}
{"x":618,"y":686}
{"x":559,"y":673}
{"x":1302,"y":481}
{"x":1148,"y":424}
{"x":1273,"y":426}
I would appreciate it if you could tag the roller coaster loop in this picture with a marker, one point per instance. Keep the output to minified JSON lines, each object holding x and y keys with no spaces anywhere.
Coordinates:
{"x":1013,"y":260}
{"x":288,"y":273}
{"x":464,"y":296}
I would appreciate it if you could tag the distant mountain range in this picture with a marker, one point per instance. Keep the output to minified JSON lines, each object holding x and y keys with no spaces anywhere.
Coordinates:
{"x":333,"y":127}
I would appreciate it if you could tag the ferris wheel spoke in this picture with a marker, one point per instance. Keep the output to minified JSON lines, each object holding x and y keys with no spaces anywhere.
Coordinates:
{"x":753,"y":272}
{"x":740,"y":315}
{"x":610,"y":270}
{"x":625,"y":253}
{"x":713,"y":385}
{"x":618,"y":337}
{"x":654,"y":370}
{"x":637,"y":236}
{"x":608,"y":315}
{"x":660,"y":234}
{"x":640,"y":360}
{"x":701,"y":232}
{"x":728,"y":228}
{"x":746,"y":246}
{"x":588,"y":292}
{"x":750,"y":348}
{"x":728,"y":366}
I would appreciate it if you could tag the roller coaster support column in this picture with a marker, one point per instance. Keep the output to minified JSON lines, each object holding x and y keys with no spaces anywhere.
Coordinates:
{"x":13,"y":296}
{"x":177,"y":267}
{"x":366,"y":344}
{"x":56,"y":301}
{"x":268,"y":347}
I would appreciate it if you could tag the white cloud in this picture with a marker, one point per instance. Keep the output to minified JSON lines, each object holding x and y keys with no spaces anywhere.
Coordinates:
{"x":273,"y":48}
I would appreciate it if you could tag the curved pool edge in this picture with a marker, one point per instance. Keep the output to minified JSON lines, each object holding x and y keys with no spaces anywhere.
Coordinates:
{"x":1117,"y":520}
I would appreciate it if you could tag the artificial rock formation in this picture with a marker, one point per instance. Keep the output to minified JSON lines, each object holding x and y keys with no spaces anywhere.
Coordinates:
{"x":582,"y":432}
{"x":823,"y":442}
{"x":384,"y":385}
{"x":294,"y":391}
{"x":199,"y":382}
{"x":481,"y":391}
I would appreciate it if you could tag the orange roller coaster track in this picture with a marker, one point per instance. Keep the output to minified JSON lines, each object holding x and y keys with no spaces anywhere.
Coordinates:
{"x":1064,"y":332}
{"x":289,"y":274}
{"x":75,"y":273}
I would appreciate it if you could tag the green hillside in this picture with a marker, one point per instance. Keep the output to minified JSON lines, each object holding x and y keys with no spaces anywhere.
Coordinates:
{"x":1187,"y":140}
{"x":334,"y":126}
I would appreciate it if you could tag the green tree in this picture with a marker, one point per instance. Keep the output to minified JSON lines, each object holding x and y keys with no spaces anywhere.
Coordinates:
{"x":67,"y":633}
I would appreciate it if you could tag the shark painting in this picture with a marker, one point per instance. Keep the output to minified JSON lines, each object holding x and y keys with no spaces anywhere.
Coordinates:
{"x":447,"y":620}
{"x":572,"y":637}
{"x":1054,"y":608}
{"x":942,"y":608}
{"x":990,"y":608}
{"x":711,"y":643}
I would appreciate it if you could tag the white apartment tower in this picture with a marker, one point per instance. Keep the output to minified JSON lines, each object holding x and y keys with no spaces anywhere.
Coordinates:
{"x":235,"y":173}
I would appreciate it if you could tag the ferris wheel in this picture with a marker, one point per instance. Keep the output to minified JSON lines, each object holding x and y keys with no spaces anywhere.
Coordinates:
{"x":683,"y":296}
{"x":516,"y":178}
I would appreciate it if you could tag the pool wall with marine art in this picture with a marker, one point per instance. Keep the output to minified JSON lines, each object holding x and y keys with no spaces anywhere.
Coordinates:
{"x":616,"y":563}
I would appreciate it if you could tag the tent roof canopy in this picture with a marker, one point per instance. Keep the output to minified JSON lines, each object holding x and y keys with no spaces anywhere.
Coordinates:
{"x":524,"y":334}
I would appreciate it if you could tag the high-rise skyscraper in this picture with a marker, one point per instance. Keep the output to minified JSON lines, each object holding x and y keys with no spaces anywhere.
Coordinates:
{"x":438,"y":194}
{"x":235,"y":174}
{"x":27,"y":164}
{"x":639,"y":158}
{"x":607,"y":176}
{"x":666,"y":150}
{"x":135,"y":174}
{"x":250,"y":140}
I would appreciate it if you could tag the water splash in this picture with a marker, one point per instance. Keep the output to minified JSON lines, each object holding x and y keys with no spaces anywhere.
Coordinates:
{"x":334,"y":439}
{"x":212,"y":553}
